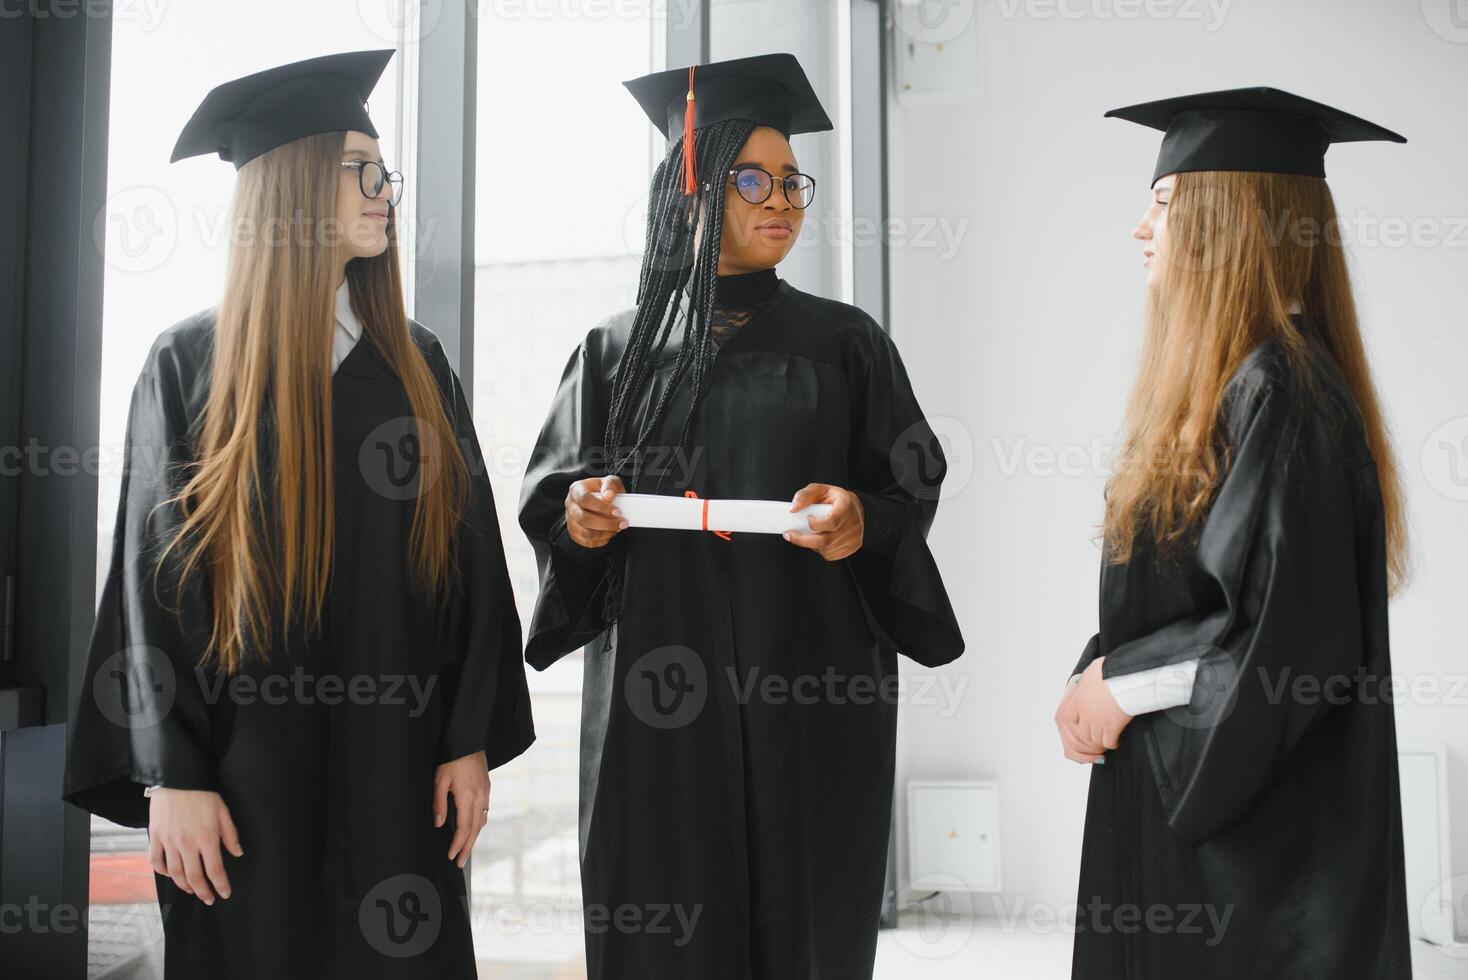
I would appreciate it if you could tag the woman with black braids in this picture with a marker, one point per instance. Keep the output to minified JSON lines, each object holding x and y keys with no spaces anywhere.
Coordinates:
{"x":739,"y":713}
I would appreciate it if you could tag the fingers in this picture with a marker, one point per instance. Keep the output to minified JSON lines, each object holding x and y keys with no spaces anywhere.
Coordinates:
{"x":461,"y":832}
{"x":822,"y":493}
{"x":156,"y":856}
{"x":481,"y":809}
{"x":811,"y":493}
{"x":469,"y":809}
{"x":839,"y":516}
{"x":228,"y":834}
{"x":591,"y":512}
{"x":194,"y":872}
{"x":176,"y":870}
{"x":214,"y":870}
{"x":815,"y":540}
{"x":1075,"y":749}
{"x":830,"y":545}
{"x":480,"y":817}
{"x":1073,"y":752}
{"x":831,"y":522}
{"x":1074,"y":739}
{"x":440,"y":799}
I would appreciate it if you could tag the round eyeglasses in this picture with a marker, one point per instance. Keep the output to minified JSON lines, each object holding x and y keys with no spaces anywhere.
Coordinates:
{"x":371,"y":175}
{"x":756,"y":184}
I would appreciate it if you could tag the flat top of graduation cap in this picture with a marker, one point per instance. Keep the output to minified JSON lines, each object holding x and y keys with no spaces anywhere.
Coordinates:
{"x":244,"y":118}
{"x":769,"y":89}
{"x":1258,"y":129}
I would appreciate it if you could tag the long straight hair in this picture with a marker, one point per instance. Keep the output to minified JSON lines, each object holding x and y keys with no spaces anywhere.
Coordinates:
{"x":258,"y":516}
{"x":1242,"y":246}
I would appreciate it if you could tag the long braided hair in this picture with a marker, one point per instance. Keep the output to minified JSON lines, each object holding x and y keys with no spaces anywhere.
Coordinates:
{"x":681,"y":251}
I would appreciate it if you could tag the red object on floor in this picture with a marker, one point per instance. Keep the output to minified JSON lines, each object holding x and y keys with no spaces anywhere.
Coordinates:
{"x":122,"y":879}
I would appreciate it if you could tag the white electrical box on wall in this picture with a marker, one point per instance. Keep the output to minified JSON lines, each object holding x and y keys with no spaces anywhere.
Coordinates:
{"x":935,"y":49}
{"x":953,"y":835}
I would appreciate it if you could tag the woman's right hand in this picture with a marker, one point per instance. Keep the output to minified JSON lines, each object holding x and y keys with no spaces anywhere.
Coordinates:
{"x":592,"y":518}
{"x":185,"y":829}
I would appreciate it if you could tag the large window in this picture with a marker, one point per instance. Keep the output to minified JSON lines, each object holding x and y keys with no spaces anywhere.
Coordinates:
{"x":813,"y":32}
{"x":165,"y":236}
{"x":564,"y":159}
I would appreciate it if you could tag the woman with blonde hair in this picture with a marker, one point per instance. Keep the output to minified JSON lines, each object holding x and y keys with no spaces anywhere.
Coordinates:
{"x":1246,"y":820}
{"x":307,"y":656}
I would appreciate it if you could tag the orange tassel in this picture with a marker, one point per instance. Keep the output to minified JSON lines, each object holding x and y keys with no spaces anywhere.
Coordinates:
{"x":690,"y":170}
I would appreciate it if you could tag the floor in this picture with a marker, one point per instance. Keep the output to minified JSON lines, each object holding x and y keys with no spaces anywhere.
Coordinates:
{"x":932,"y":949}
{"x":548,"y":947}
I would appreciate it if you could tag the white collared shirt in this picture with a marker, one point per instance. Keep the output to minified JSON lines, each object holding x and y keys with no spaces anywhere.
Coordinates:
{"x":348,"y":328}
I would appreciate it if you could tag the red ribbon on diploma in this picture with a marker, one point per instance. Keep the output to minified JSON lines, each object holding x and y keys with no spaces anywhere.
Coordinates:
{"x":726,"y":535}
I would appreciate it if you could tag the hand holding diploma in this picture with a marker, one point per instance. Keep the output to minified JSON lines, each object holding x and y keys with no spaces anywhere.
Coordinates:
{"x":592,"y":516}
{"x":1089,"y":719}
{"x":839,"y":533}
{"x":824,"y":518}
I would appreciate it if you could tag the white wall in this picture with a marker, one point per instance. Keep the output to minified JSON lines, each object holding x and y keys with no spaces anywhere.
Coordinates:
{"x":1028,"y":332}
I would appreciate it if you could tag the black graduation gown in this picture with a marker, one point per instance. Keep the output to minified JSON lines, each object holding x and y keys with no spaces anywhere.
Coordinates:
{"x":1260,"y":826}
{"x":741,"y":835}
{"x":329,"y":781}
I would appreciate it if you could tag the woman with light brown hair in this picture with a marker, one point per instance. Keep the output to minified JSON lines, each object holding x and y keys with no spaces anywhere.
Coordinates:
{"x":307,"y":655}
{"x":1244,"y":815}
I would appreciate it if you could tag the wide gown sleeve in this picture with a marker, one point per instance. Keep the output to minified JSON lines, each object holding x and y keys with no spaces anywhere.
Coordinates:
{"x":573,"y":579}
{"x":897,"y":468}
{"x":143,"y":716}
{"x":1278,"y":561}
{"x":488,"y":703}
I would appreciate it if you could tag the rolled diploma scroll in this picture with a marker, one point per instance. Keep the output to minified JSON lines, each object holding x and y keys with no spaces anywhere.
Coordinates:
{"x":687,"y":514}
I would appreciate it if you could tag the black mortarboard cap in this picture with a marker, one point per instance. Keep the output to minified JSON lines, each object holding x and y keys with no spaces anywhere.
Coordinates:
{"x":1256,"y":129}
{"x":768,"y":89}
{"x":244,"y":118}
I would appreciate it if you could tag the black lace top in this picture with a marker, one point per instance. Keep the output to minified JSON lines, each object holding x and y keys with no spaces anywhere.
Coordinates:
{"x":735,"y":300}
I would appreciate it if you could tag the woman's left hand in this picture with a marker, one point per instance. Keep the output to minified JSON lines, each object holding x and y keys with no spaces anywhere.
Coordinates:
{"x":468,"y":780}
{"x":839,"y":533}
{"x":1089,"y":714}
